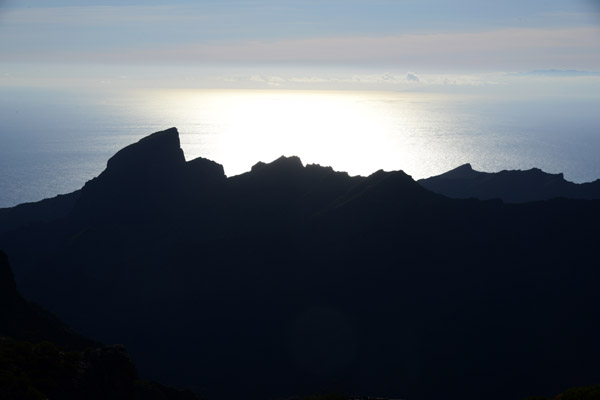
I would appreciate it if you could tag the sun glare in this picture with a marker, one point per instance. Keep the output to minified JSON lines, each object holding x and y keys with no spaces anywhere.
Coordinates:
{"x":349,"y":131}
{"x":319,"y":127}
{"x":423,"y":134}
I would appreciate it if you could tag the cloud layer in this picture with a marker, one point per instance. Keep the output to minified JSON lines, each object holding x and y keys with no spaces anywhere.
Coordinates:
{"x":545,"y":35}
{"x":509,"y":49}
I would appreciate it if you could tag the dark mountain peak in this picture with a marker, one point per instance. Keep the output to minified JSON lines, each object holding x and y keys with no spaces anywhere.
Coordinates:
{"x":464,"y":171}
{"x":280,"y":167}
{"x":533,"y":176}
{"x":286,"y":163}
{"x":538,"y":173}
{"x":157,"y":157}
{"x":156,"y":151}
{"x":257,"y":166}
{"x":463,"y":168}
{"x":399,"y":175}
{"x":397,"y":182}
{"x":204,"y":169}
{"x":378,"y":173}
{"x":292,"y":161}
{"x":384,"y":187}
{"x":140,"y":176}
{"x":376,"y":177}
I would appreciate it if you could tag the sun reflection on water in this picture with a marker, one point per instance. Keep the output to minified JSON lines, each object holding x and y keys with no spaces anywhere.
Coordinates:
{"x":356,"y":132}
{"x":423,"y":134}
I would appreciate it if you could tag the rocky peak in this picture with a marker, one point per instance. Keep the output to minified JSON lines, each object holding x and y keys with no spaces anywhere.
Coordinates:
{"x":464,"y":171}
{"x":156,"y":152}
{"x":139,"y":177}
{"x":282,"y":164}
{"x":536,"y":173}
{"x":202,"y":169}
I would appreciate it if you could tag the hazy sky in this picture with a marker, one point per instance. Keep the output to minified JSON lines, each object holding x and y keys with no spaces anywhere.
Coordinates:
{"x":532,"y":61}
{"x":293,"y":43}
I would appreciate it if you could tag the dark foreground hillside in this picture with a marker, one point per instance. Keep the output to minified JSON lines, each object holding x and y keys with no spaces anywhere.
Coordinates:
{"x":292,"y":279}
{"x":42,"y":358}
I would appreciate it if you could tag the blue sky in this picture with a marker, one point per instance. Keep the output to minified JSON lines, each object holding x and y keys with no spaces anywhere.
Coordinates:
{"x":267,"y":42}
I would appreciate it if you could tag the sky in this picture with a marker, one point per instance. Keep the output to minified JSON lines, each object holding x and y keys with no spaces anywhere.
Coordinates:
{"x":369,"y":44}
{"x":536,"y":60}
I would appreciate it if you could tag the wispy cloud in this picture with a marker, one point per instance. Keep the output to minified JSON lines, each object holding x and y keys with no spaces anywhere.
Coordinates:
{"x":100,"y":15}
{"x":206,"y":36}
{"x":510,"y":49}
{"x":286,"y":32}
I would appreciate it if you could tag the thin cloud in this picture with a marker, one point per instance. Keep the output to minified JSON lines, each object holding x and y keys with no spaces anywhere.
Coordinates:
{"x":99,"y":15}
{"x":509,"y":49}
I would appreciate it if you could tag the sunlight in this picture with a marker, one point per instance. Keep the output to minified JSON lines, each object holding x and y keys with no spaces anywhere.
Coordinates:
{"x":350,"y":131}
{"x":423,"y":134}
{"x":319,"y":127}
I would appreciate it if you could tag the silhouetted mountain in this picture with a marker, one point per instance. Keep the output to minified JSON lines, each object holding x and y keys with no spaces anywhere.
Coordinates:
{"x":511,"y":186}
{"x":291,"y":279}
{"x":145,"y":176}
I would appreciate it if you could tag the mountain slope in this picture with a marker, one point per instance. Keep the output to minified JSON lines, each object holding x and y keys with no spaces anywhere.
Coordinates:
{"x":41,"y":357}
{"x":28,"y":321}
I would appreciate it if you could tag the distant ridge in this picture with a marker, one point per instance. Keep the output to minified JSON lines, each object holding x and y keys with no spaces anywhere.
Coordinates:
{"x":514,"y":186}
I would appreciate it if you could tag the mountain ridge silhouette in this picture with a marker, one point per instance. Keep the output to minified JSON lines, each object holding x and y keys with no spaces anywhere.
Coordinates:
{"x":514,"y":186}
{"x":292,"y":279}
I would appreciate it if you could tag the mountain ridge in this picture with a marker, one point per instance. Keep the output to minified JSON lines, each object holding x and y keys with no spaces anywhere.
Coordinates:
{"x":314,"y":281}
{"x":514,"y":186}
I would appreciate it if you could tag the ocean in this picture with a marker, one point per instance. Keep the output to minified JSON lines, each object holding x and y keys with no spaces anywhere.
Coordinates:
{"x":53,"y":141}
